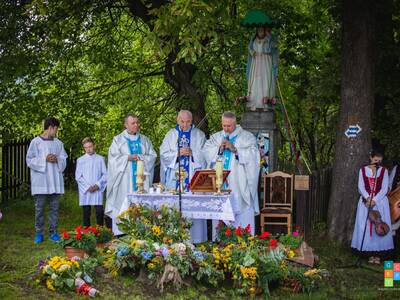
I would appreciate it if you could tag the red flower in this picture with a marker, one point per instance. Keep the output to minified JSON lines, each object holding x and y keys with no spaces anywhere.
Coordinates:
{"x":65,"y":234}
{"x":264,"y":235}
{"x":273,"y":243}
{"x":78,"y":229}
{"x":228,"y":232}
{"x":78,"y":236}
{"x":238,"y":231}
{"x":248,"y":229}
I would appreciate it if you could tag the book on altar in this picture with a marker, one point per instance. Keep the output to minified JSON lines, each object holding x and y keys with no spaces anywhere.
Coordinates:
{"x":203,"y":181}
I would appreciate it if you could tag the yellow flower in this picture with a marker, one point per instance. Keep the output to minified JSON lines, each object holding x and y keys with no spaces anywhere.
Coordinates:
{"x":311,"y":272}
{"x":252,"y":290}
{"x":156,"y":260}
{"x":151,"y":266}
{"x":250,"y":273}
{"x":49,"y":284}
{"x":156,"y":230}
{"x":291,"y":254}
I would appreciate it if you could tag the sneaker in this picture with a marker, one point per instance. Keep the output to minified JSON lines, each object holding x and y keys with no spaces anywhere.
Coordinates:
{"x":55,"y":237}
{"x":38,"y":238}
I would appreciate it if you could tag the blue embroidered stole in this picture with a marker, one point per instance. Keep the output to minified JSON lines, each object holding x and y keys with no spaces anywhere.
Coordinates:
{"x":228,"y":153}
{"x":184,"y":142}
{"x":135,"y":147}
{"x":228,"y":157}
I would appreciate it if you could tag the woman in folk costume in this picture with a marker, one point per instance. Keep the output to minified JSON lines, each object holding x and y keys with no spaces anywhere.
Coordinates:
{"x":373,"y":181}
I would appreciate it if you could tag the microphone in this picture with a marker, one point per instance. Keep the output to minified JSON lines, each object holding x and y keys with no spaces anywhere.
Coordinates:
{"x":222,"y":148}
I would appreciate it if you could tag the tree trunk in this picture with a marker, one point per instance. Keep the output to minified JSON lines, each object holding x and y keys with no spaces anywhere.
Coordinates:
{"x":178,"y":75}
{"x":357,"y":98}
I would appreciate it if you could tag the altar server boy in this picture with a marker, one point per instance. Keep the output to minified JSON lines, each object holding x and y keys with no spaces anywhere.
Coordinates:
{"x":91,"y":176}
{"x":47,"y":160}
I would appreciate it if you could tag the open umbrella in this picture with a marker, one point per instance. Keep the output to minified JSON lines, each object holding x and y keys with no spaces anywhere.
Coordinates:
{"x":257,"y":17}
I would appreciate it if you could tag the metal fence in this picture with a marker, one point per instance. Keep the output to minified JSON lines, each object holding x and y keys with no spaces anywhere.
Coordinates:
{"x":14,"y":171}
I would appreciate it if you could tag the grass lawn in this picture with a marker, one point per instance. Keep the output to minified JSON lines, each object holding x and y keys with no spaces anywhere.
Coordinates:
{"x":19,"y":258}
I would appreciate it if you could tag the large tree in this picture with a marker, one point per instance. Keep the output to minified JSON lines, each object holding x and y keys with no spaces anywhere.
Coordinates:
{"x":356,"y":107}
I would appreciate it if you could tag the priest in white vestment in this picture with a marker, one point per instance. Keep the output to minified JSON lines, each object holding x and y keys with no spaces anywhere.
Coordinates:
{"x":189,"y":140}
{"x":126,"y":149}
{"x":238,"y":149}
{"x":47,"y":160}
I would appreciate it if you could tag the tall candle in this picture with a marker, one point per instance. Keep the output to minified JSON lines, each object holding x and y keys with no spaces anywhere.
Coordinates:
{"x":139,"y":171}
{"x":219,"y":169}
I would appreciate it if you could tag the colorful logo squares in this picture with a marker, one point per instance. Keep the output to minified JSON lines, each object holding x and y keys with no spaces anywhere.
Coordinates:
{"x":388,"y":264}
{"x":396,"y":267}
{"x":388,"y":273}
{"x":391,"y":272}
{"x":396,"y":276}
{"x":388,"y":282}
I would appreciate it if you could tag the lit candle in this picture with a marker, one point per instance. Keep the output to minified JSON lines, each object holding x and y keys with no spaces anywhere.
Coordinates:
{"x":139,"y":171}
{"x":219,"y":171}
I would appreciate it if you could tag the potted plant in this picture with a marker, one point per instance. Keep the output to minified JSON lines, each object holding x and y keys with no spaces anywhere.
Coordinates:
{"x":292,"y":242}
{"x":78,"y":242}
{"x":103,"y":236}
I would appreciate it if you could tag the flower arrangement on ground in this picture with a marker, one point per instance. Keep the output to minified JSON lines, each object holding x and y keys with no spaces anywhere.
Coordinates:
{"x":60,"y":273}
{"x":165,"y":225}
{"x":157,"y":247}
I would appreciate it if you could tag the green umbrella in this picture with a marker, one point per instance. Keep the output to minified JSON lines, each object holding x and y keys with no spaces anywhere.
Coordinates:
{"x":257,"y":17}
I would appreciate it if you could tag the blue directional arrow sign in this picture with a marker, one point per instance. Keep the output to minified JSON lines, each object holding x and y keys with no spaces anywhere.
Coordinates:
{"x":352,"y":131}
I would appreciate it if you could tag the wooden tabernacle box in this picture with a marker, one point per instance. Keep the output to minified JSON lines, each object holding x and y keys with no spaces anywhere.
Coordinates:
{"x":204,"y":181}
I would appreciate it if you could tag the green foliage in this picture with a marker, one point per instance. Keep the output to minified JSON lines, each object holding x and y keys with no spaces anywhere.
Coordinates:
{"x":89,"y":63}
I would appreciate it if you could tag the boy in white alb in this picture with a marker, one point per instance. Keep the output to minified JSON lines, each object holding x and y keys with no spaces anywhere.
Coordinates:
{"x":47,"y":160}
{"x":91,"y":176}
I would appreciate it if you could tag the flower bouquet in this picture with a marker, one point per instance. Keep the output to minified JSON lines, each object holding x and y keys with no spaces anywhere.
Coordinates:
{"x":164,"y":225}
{"x":60,"y":273}
{"x":78,"y":242}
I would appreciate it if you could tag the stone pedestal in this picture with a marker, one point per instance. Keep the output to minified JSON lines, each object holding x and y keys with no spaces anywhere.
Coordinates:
{"x":263,"y":122}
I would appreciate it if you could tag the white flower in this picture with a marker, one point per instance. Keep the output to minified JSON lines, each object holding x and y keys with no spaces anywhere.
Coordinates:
{"x":141,"y":242}
{"x":64,"y":268}
{"x":54,"y":276}
{"x":179,"y":248}
{"x":156,"y":246}
{"x":47,"y":268}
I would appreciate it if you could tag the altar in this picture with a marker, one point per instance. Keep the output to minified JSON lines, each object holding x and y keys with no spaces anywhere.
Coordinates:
{"x":194,"y":206}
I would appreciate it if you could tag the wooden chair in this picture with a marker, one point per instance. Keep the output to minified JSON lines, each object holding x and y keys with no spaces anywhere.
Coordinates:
{"x":278,"y":200}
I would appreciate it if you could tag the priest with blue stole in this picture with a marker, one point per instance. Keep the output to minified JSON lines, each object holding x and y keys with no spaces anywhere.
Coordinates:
{"x":238,"y":149}
{"x":126,"y":149}
{"x":188,"y":140}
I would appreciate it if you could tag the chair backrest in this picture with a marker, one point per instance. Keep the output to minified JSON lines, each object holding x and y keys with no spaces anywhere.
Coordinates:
{"x":278,"y":190}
